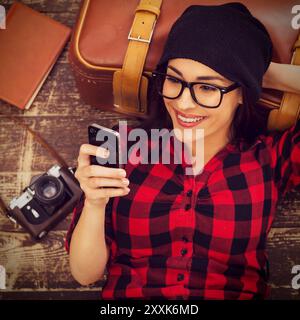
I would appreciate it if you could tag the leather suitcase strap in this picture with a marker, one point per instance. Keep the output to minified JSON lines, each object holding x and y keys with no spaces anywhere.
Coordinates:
{"x":289,"y":110}
{"x":129,"y":85}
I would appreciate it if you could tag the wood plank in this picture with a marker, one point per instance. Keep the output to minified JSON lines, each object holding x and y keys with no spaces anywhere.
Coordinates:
{"x":288,"y":211}
{"x":51,"y":295}
{"x":34,"y":265}
{"x":284,"y":252}
{"x":43,"y":266}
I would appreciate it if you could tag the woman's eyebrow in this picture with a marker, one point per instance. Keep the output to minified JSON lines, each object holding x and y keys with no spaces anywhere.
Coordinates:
{"x":199,"y":78}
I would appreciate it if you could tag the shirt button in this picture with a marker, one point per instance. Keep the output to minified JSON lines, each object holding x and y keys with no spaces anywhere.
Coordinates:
{"x":184,"y":252}
{"x":180,"y":276}
{"x":187,"y":207}
{"x":189,"y":193}
{"x":185,"y":239}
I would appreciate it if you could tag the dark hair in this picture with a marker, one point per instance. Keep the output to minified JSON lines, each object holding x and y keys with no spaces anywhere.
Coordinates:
{"x":250,"y":120}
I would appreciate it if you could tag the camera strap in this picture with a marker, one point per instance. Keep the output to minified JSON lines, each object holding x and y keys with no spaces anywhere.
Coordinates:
{"x":41,"y":141}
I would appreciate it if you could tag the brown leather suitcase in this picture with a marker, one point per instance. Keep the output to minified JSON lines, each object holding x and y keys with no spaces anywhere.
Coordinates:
{"x":105,"y":30}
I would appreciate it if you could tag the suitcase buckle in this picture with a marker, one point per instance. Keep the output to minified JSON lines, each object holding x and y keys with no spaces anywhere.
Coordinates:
{"x":139,"y":37}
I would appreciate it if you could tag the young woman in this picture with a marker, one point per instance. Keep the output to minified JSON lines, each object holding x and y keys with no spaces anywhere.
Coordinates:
{"x":202,"y":236}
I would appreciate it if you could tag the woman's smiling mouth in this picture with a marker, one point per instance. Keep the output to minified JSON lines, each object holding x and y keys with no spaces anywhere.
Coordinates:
{"x":188,"y":120}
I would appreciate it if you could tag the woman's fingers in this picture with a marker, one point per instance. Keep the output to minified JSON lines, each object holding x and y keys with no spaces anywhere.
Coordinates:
{"x":98,"y":181}
{"x":86,"y":150}
{"x":95,"y":194}
{"x":95,"y":182}
{"x":87,"y":170}
{"x":102,"y":171}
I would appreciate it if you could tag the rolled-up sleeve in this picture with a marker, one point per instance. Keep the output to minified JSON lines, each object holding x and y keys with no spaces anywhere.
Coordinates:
{"x":286,"y":159}
{"x":109,"y":234}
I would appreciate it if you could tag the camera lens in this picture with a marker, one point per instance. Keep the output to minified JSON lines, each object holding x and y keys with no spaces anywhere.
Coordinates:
{"x":49,"y":190}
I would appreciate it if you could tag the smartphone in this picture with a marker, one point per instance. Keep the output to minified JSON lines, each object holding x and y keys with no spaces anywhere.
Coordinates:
{"x":106,"y":138}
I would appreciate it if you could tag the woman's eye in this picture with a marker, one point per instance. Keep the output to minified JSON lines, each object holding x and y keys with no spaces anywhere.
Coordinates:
{"x":207,"y":88}
{"x":174,"y":80}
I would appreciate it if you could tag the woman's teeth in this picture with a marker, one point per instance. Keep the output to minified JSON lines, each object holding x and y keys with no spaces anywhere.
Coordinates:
{"x":189,"y":119}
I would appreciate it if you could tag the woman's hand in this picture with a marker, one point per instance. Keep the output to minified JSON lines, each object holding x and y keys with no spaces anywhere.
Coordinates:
{"x":93,"y":177}
{"x":284,"y":77}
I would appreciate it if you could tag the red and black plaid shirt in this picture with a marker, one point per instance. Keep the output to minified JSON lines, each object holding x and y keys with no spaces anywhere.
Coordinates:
{"x":176,"y":236}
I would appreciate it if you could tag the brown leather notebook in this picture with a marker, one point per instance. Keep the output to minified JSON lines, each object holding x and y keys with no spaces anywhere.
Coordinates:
{"x":29,"y":47}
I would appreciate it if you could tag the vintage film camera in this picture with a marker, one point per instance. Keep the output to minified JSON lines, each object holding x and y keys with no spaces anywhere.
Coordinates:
{"x":48,"y":199}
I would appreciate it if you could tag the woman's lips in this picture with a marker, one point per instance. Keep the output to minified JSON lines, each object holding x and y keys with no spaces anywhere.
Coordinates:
{"x":188,"y":124}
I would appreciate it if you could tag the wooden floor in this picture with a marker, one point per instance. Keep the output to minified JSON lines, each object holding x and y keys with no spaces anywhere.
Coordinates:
{"x":41,"y":270}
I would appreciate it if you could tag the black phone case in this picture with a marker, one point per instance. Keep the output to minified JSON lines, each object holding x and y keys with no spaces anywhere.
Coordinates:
{"x":113,"y":159}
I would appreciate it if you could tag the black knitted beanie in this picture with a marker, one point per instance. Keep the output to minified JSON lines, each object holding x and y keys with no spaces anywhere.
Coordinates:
{"x":226,"y":38}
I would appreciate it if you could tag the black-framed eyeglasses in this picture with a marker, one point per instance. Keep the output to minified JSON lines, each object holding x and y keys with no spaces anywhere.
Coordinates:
{"x":205,"y":94}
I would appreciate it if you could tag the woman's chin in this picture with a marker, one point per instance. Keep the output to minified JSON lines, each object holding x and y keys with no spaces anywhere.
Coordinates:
{"x":188,"y":136}
{"x":184,"y":139}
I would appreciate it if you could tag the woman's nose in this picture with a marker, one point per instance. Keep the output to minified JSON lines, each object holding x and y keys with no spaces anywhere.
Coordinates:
{"x":186,"y":101}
